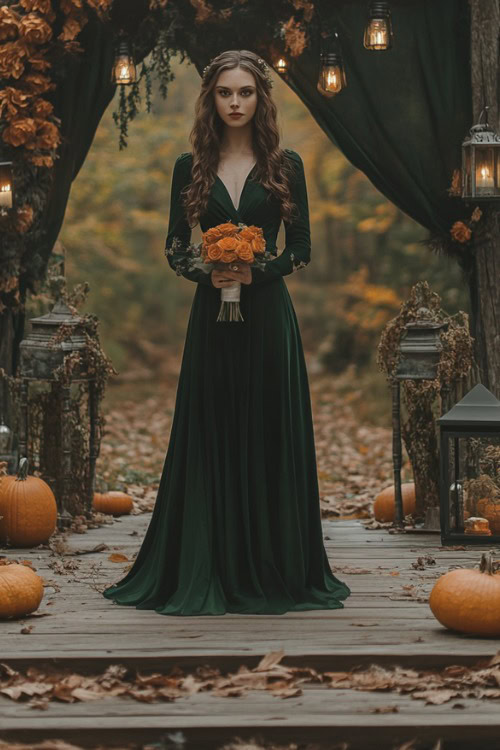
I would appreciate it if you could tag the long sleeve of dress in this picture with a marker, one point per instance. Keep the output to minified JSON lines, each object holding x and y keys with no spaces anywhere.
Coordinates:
{"x":179,"y":231}
{"x":297,"y":251}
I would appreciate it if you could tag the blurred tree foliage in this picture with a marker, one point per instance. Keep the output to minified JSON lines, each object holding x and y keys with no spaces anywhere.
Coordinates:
{"x":366,"y":253}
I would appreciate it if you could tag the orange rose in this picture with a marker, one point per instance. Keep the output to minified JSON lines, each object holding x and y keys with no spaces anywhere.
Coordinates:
{"x":244,"y":251}
{"x":9,"y":23}
{"x":228,"y":256}
{"x":37,"y":62}
{"x":42,"y":6}
{"x":34,"y":29}
{"x":228,"y":229}
{"x":214,"y":252}
{"x":24,"y":218}
{"x":212,"y":235}
{"x":258,"y":245}
{"x":41,"y":161}
{"x":460,"y":232}
{"x":47,"y":135}
{"x":70,"y":6}
{"x":228,"y":243}
{"x":247,"y":234}
{"x":12,"y":101}
{"x":21,"y":131}
{"x":255,"y":230}
{"x":38,"y":83}
{"x":72,"y":27}
{"x":12,"y":56}
{"x":42,"y":108}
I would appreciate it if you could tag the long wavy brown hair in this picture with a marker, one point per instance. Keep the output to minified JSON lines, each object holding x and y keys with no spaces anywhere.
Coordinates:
{"x":273,"y":168}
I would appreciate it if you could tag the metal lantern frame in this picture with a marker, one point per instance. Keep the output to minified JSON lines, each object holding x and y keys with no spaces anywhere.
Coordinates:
{"x":477,"y":415}
{"x":482,"y":146}
{"x":38,"y":360}
{"x":124,"y":56}
{"x":379,"y":11}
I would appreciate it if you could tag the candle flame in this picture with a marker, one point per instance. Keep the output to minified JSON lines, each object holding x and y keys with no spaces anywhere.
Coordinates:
{"x":5,"y":188}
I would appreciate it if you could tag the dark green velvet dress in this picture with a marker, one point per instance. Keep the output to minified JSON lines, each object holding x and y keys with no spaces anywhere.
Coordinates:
{"x":236,"y":526}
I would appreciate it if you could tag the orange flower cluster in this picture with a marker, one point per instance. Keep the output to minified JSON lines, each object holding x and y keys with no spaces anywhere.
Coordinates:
{"x":462,"y":231}
{"x":228,"y":242}
{"x":26,"y":42}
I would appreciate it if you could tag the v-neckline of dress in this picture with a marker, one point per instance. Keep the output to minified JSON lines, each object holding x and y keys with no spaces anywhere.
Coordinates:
{"x":242,"y":189}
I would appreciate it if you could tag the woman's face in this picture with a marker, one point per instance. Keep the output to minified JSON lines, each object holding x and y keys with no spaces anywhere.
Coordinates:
{"x":235,"y":91}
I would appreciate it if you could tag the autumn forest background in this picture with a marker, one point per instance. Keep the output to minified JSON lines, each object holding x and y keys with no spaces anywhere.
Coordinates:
{"x":366,"y":253}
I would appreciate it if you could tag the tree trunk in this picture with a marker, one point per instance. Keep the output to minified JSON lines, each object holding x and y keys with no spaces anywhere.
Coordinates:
{"x":11,"y":334}
{"x":484,"y":279}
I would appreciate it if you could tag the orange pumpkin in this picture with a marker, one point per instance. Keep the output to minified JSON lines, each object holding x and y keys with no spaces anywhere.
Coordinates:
{"x":114,"y":502}
{"x":491,"y":510}
{"x":384,"y":503}
{"x":468,"y":600}
{"x":21,"y":590}
{"x":28,"y":507}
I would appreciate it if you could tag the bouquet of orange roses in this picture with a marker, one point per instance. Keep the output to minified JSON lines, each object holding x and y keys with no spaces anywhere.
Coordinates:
{"x":230,"y":243}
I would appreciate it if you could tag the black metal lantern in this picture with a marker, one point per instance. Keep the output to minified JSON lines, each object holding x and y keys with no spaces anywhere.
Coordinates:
{"x":481,"y":162}
{"x":123,"y":71}
{"x":470,"y":469}
{"x":332,"y":78}
{"x":6,"y":185}
{"x":420,"y":350}
{"x":378,"y":32}
{"x":38,"y":360}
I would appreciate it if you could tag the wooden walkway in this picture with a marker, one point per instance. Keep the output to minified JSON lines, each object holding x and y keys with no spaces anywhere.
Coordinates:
{"x":386,"y":621}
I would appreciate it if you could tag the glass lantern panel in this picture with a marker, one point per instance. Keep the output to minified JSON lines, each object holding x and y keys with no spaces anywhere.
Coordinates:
{"x":485,"y":170}
{"x":474,"y":483}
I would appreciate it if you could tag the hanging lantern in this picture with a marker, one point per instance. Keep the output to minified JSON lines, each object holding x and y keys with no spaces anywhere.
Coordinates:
{"x":6,"y":184}
{"x":124,"y":71}
{"x":481,"y":162}
{"x":281,"y":65}
{"x":378,"y":31}
{"x":332,"y":78}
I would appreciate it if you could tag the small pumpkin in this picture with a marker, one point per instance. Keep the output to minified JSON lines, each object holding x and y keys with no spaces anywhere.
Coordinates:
{"x":28,"y":507}
{"x":468,"y":600}
{"x":384,"y":504}
{"x":21,"y":590}
{"x":490,"y":509}
{"x":114,"y":502}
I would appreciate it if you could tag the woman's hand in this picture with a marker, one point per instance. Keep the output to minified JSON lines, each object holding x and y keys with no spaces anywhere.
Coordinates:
{"x":223,"y":275}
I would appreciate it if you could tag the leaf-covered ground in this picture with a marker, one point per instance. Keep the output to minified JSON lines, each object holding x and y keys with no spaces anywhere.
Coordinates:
{"x":354,"y":459}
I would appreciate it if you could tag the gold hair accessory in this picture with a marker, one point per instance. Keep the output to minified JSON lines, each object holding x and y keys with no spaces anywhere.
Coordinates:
{"x":262,"y":65}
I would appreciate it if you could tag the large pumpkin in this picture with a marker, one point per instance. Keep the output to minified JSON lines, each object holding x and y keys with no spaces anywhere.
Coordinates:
{"x":468,"y":600}
{"x":28,"y":507}
{"x":21,"y":590}
{"x":384,"y":504}
{"x":114,"y":502}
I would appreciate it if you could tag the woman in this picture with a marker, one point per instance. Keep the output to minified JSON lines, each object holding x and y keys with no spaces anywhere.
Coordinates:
{"x":236,"y":526}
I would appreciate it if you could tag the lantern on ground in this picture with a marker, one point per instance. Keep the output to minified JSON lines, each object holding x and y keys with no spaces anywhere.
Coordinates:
{"x":332,"y":78}
{"x":420,"y":351}
{"x":378,"y":32}
{"x":39,"y":358}
{"x":481,"y":162}
{"x":6,"y":185}
{"x":470,"y":469}
{"x":124,"y":71}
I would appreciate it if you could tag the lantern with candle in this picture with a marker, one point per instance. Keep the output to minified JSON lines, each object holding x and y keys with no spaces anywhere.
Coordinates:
{"x":378,"y":32}
{"x":481,"y":162}
{"x":6,"y":185}
{"x":123,"y":71}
